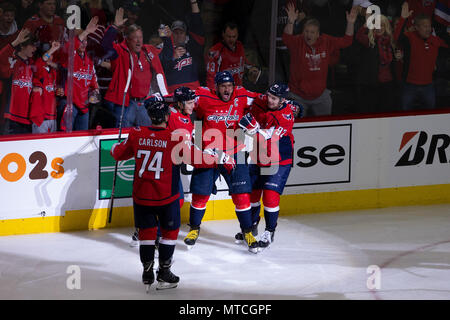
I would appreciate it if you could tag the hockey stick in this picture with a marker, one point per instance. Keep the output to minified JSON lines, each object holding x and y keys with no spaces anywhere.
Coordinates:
{"x":118,"y":140}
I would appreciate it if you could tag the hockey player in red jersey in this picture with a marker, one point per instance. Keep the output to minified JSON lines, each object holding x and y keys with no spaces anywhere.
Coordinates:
{"x":275,"y":122}
{"x":156,"y":190}
{"x":220,"y":111}
{"x":179,"y":119}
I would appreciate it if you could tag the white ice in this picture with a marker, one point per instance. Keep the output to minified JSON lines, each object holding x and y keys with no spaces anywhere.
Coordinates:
{"x":317,"y":256}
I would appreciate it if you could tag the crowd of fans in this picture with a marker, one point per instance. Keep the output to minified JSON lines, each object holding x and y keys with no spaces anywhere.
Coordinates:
{"x":333,"y":58}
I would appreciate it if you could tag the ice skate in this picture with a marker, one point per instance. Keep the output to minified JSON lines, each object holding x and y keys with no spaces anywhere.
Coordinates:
{"x":251,"y":242}
{"x":239,"y":237}
{"x":135,"y":239}
{"x":192,"y":237}
{"x":166,"y":279}
{"x":148,"y":276}
{"x":266,"y":239}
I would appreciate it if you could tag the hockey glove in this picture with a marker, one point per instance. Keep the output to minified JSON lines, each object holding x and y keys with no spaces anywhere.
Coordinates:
{"x":228,"y":162}
{"x":249,"y":124}
{"x":297,"y":109}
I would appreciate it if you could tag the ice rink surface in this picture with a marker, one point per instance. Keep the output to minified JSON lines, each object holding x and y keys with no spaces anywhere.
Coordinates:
{"x":392,"y":253}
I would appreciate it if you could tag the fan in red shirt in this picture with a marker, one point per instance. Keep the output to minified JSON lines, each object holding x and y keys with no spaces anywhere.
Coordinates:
{"x":16,"y":62}
{"x":228,"y":55}
{"x":310,"y":54}
{"x":85,"y":87}
{"x":156,"y":189}
{"x":46,"y":25}
{"x":43,"y":99}
{"x":421,"y":49}
{"x":147,"y":75}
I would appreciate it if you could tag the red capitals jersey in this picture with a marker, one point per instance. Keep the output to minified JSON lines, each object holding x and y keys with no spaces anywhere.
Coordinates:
{"x":84,"y":77}
{"x":21,"y":74}
{"x":179,"y":121}
{"x":156,"y":178}
{"x":43,"y":106}
{"x":218,"y":116}
{"x":221,"y":58}
{"x":279,"y":124}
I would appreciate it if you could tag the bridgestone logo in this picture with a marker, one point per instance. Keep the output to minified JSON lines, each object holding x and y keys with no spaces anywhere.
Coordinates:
{"x":415,"y":151}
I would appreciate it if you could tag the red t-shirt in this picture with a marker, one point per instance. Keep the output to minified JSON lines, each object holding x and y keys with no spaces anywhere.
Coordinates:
{"x":309,"y":65}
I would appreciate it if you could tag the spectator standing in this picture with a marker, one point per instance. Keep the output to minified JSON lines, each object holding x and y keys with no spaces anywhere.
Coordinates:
{"x":228,"y":55}
{"x":43,"y":98}
{"x":144,"y":63}
{"x":182,"y":52}
{"x":85,"y":87}
{"x":46,"y":26}
{"x":310,"y":58}
{"x":375,"y":76}
{"x":421,"y":50}
{"x":16,"y":61}
{"x":8,"y":25}
{"x":25,"y":9}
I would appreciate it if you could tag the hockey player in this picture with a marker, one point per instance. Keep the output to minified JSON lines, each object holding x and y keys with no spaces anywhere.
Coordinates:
{"x":275,"y":121}
{"x":179,"y":119}
{"x":156,"y":191}
{"x":220,"y":111}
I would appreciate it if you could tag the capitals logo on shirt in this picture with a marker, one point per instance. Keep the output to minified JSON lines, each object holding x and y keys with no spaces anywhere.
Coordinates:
{"x":287,"y":116}
{"x":50,"y":88}
{"x":183,"y":63}
{"x":23,"y":84}
{"x":83,"y":75}
{"x":225,"y":117}
{"x":185,"y":121}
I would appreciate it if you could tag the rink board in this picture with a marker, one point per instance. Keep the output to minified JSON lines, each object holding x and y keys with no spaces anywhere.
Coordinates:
{"x":63,"y":182}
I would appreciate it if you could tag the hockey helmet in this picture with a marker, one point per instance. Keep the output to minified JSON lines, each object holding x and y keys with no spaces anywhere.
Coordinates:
{"x":183,"y":94}
{"x":157,"y":111}
{"x":280,"y":90}
{"x":223,"y":76}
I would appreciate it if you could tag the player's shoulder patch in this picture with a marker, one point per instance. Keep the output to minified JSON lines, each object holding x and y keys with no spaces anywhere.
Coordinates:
{"x":173,"y":110}
{"x":183,"y":120}
{"x":137,"y":128}
{"x":34,"y":18}
{"x":204,"y":89}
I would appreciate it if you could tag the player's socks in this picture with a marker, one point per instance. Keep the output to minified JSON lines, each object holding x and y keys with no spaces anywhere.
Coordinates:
{"x":148,"y":277}
{"x":271,"y":217}
{"x":166,"y":279}
{"x":256,"y":210}
{"x":196,"y":215}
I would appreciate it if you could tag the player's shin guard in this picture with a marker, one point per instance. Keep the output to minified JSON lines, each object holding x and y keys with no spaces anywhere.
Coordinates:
{"x":243,"y":210}
{"x":147,"y":237}
{"x":271,"y":201}
{"x":167,"y":244}
{"x":197,"y":210}
{"x":256,"y":208}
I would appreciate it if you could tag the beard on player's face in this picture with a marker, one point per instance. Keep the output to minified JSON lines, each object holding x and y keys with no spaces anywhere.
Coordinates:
{"x":225,"y":90}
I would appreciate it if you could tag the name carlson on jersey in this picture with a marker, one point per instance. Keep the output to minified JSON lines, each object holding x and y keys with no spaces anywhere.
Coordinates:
{"x":153,"y":143}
